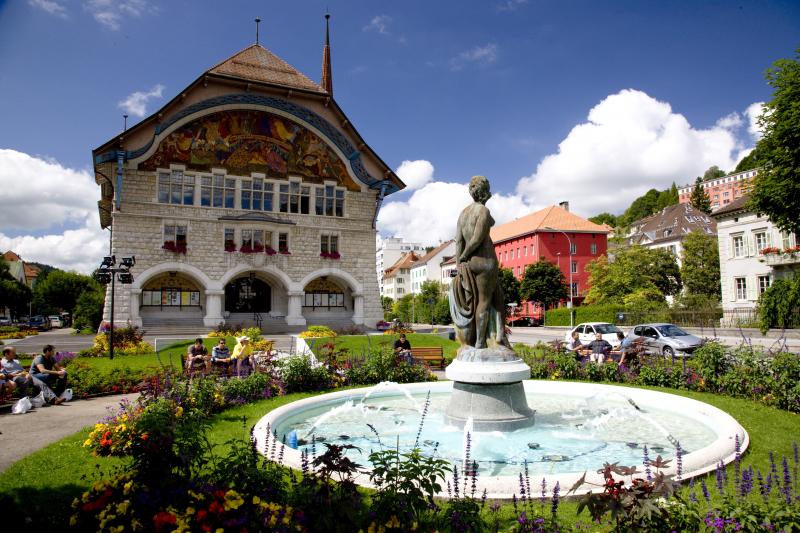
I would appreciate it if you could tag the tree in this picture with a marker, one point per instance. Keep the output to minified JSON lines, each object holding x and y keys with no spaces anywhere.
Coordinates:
{"x":699,"y":199}
{"x":425,"y":302}
{"x":509,"y":284}
{"x":713,"y":172}
{"x":667,"y":197}
{"x":89,"y":309}
{"x":61,"y":289}
{"x":700,"y":265}
{"x":386,"y":304}
{"x":635,"y":271}
{"x":605,"y":218}
{"x":15,"y":296}
{"x":776,"y":188}
{"x":402,"y":308}
{"x":750,"y":161}
{"x":543,"y":282}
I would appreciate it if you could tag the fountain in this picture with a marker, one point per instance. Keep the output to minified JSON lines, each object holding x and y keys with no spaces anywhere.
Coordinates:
{"x":485,"y":407}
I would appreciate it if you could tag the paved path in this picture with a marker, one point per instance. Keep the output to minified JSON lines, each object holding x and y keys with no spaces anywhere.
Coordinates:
{"x":25,"y":434}
{"x":62,"y":339}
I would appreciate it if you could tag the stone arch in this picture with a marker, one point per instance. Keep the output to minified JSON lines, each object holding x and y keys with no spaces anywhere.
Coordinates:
{"x":354,"y":285}
{"x":269,"y":270}
{"x":185,"y":269}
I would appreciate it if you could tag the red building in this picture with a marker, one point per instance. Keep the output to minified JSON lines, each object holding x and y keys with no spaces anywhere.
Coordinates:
{"x":721,"y":191}
{"x":549,"y":234}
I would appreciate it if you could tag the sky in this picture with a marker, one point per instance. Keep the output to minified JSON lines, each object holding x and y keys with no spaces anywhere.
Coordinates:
{"x":582,"y":101}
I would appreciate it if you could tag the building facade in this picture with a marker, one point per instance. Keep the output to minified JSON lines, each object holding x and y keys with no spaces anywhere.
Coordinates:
{"x":397,"y":278}
{"x":752,"y":254}
{"x":555,"y":235}
{"x":248,"y":197}
{"x":388,"y":252}
{"x":429,"y":266}
{"x":667,"y":228}
{"x":721,"y":191}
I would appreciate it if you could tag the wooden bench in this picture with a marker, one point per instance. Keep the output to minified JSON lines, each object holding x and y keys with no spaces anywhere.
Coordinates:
{"x":432,"y":355}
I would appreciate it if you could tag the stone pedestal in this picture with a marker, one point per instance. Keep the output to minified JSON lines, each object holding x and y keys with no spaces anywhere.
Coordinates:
{"x":489,"y":389}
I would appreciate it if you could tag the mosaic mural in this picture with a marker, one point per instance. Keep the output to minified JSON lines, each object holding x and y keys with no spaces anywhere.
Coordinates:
{"x":250,"y":141}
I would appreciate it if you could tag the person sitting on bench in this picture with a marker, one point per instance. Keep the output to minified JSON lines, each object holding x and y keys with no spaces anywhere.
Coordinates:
{"x":221,"y":356}
{"x":402,"y":348}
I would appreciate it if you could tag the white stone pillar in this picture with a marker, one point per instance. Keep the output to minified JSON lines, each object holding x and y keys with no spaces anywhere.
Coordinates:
{"x":294,"y":316}
{"x":358,"y":308}
{"x":136,"y":296}
{"x":213,"y":314}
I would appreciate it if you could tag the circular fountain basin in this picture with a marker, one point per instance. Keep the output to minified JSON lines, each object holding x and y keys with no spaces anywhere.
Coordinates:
{"x":577,"y":428}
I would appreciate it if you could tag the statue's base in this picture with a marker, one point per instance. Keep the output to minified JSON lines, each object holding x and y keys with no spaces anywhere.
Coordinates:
{"x":491,"y":393}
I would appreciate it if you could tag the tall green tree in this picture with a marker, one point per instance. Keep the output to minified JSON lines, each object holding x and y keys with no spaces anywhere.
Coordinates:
{"x":543,"y":282}
{"x":750,"y":161}
{"x":713,"y":172}
{"x":699,"y":198}
{"x":700,"y":265}
{"x":647,"y":273}
{"x":61,"y":289}
{"x":667,"y":197}
{"x":776,"y":189}
{"x":605,"y":218}
{"x":15,"y":296}
{"x":510,"y":285}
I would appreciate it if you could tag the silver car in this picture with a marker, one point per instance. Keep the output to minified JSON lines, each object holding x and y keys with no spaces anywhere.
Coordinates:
{"x":666,"y":339}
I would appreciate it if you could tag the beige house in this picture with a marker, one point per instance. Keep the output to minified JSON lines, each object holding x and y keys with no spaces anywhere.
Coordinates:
{"x":249,"y":197}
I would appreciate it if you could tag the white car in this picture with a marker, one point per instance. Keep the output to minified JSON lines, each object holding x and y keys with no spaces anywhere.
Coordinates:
{"x":588,"y":330}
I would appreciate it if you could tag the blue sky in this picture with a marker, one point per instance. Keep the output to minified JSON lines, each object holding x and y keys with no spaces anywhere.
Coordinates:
{"x":592,"y":102}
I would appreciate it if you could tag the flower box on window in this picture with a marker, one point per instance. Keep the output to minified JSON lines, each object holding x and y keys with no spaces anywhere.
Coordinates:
{"x":175,"y":247}
{"x":270,"y":250}
{"x":769,"y":250}
{"x":248,"y":249}
{"x":285,"y":252}
{"x":230,"y":247}
{"x":330,"y":255}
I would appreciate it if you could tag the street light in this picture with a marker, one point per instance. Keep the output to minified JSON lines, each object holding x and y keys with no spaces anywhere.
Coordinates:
{"x":108,"y":273}
{"x":570,"y":271}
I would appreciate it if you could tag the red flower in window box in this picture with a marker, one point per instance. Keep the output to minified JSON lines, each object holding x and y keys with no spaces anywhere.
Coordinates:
{"x":769,"y":250}
{"x":174,"y":247}
{"x":285,"y":252}
{"x":230,"y":247}
{"x":270,"y":250}
{"x":247,"y":249}
{"x":330,"y":255}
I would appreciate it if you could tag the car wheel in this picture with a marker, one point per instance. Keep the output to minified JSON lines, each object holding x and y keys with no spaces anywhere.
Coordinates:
{"x":668,"y":351}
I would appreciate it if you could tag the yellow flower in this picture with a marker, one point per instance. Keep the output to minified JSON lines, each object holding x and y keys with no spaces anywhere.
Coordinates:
{"x":179,"y":411}
{"x":87,"y":443}
{"x":256,"y":500}
{"x":73,"y":521}
{"x":233,"y":500}
{"x":122,"y":508}
{"x":393,"y":522}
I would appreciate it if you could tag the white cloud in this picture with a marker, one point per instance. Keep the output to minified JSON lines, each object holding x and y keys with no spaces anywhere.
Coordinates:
{"x":50,"y":6}
{"x":753,"y":112}
{"x":630,"y":143}
{"x":431,"y":214}
{"x":731,"y":121}
{"x":39,"y":194}
{"x":110,"y":13}
{"x":478,"y":55}
{"x":415,"y":174}
{"x":511,"y":5}
{"x":379,"y":24}
{"x":136,"y":103}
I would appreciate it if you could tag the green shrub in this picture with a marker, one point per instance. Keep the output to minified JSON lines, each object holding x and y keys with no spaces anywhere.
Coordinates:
{"x":381,"y":366}
{"x":584,"y":313}
{"x":299,"y":374}
{"x":711,"y":361}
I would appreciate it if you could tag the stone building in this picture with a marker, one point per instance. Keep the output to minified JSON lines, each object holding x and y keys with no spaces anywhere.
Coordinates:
{"x":249,"y":197}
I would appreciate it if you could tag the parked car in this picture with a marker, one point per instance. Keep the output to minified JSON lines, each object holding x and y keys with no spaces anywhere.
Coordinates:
{"x":666,"y":339}
{"x":5,"y":321}
{"x":588,"y":330}
{"x":39,"y":322}
{"x":55,"y":321}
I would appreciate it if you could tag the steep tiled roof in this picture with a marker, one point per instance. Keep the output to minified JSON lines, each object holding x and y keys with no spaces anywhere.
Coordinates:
{"x":672,"y":224}
{"x":449,"y":261}
{"x":740,"y":204}
{"x":256,"y":63}
{"x":428,"y":256}
{"x":31,"y":272}
{"x":405,"y":261}
{"x":11,"y":256}
{"x":553,"y":217}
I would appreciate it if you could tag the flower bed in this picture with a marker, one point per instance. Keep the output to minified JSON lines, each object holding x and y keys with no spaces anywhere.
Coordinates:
{"x":174,"y":247}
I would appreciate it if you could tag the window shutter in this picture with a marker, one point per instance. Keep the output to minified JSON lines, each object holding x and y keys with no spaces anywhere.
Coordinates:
{"x":752,"y":282}
{"x":733,"y":289}
{"x":750,"y":245}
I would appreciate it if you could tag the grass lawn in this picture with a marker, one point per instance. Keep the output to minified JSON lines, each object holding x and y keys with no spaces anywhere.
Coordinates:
{"x":358,"y":344}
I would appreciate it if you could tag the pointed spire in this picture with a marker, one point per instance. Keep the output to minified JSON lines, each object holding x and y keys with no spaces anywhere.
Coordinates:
{"x":327,"y":82}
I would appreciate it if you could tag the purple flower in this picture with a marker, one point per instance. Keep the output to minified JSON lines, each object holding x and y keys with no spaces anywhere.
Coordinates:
{"x":554,"y":508}
{"x":706,"y":495}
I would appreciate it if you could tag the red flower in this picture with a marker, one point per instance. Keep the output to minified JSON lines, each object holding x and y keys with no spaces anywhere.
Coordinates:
{"x":215,"y":507}
{"x":163,"y":520}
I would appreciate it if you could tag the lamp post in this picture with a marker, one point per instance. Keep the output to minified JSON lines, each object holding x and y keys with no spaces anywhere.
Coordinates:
{"x":108,"y":273}
{"x":570,"y":271}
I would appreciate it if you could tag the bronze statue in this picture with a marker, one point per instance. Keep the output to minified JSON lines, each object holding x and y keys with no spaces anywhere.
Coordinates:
{"x":476,"y":300}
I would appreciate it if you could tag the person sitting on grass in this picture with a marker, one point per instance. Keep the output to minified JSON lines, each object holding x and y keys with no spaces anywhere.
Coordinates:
{"x":45,"y":369}
{"x":221,"y":356}
{"x":197,"y":356}
{"x":600,"y":349}
{"x":14,"y":372}
{"x":243,"y":355}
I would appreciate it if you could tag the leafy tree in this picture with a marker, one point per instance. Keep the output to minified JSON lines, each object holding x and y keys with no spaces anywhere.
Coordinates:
{"x":441,"y":312}
{"x":61,"y":289}
{"x":386,"y":304}
{"x":699,"y":199}
{"x":89,"y":309}
{"x":713,"y":172}
{"x":776,"y":188}
{"x":510,"y":285}
{"x":402,"y":308}
{"x":750,"y":161}
{"x":635,"y":271}
{"x":644,"y":206}
{"x":779,"y":305}
{"x":15,"y":296}
{"x":667,"y":197}
{"x":425,"y":302}
{"x":543,"y":282}
{"x":700,"y":265}
{"x":605,"y":218}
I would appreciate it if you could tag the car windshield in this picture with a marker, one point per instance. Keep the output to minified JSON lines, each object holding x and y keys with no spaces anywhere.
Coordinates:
{"x":670,"y":330}
{"x":606,"y":328}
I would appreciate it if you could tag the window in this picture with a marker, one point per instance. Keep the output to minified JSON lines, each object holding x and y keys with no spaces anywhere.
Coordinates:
{"x":519,"y":271}
{"x":252,"y":240}
{"x":517,"y":253}
{"x":283,"y":243}
{"x":574,"y":289}
{"x":741,"y":288}
{"x":593,"y":248}
{"x":525,"y":251}
{"x":175,"y":188}
{"x":230,"y":240}
{"x":531,"y":250}
{"x":329,"y":201}
{"x":763,"y":284}
{"x":574,"y":267}
{"x":787,"y":240}
{"x":294,"y":198}
{"x":762,"y":240}
{"x":169,"y":297}
{"x":573,"y":249}
{"x":738,"y":246}
{"x":257,"y":194}
{"x":174,"y":238}
{"x":329,"y":244}
{"x":217,"y":191}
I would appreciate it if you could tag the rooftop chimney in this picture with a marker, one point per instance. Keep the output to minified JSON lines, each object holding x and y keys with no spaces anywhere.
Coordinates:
{"x":564,"y":205}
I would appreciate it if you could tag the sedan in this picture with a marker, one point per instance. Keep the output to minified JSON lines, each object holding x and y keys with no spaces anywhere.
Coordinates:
{"x":666,"y":339}
{"x":587,"y":333}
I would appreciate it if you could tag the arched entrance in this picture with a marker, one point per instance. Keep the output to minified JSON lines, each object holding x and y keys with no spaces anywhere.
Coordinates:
{"x":248,"y":294}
